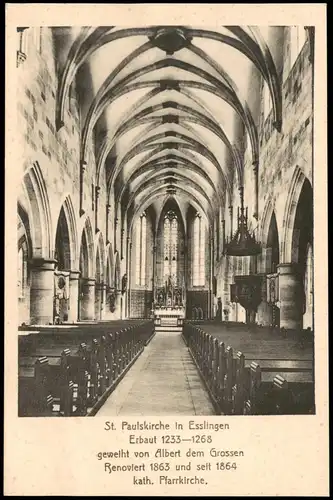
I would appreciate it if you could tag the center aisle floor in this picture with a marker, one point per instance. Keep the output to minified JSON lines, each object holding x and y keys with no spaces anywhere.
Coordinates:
{"x":163,"y":381}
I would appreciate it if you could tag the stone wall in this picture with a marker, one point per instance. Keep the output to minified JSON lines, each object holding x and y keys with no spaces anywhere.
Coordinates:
{"x":141,"y":302}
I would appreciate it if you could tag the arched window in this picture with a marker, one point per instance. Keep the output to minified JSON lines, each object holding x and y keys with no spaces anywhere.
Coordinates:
{"x":141,"y":250}
{"x":198,"y":252}
{"x":297,"y":41}
{"x":171,"y":246}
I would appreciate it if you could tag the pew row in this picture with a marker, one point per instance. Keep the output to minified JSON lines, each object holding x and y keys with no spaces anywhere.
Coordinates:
{"x":73,"y":376}
{"x":238,"y":386}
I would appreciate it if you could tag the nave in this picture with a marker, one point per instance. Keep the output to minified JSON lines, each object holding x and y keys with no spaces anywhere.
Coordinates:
{"x":165,"y":219}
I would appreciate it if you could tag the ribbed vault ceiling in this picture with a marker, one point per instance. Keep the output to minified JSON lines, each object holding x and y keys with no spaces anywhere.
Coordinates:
{"x":167,"y":107}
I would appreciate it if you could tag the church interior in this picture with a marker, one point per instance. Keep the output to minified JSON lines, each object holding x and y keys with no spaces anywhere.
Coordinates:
{"x":165,"y":220}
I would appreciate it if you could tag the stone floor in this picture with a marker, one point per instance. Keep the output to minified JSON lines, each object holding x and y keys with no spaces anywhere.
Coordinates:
{"x":163,"y":381}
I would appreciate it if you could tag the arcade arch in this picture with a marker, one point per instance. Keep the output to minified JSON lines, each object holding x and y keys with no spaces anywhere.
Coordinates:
{"x":87,"y":279}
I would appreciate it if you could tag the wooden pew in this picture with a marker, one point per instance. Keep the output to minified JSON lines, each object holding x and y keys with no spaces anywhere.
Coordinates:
{"x":275,"y":395}
{"x":32,"y":376}
{"x":75,"y":375}
{"x":237,"y":387}
{"x":38,"y":378}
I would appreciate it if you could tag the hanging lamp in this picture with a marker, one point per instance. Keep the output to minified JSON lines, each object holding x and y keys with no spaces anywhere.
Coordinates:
{"x":242,"y":243}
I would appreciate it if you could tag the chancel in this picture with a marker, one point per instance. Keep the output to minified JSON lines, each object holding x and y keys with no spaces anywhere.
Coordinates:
{"x":165,"y":220}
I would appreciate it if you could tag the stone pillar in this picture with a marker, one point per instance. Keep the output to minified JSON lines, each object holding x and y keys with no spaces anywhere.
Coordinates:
{"x":42,"y":291}
{"x":290,"y":296}
{"x":154,"y":271}
{"x":255,"y":165}
{"x":115,"y":234}
{"x":100,"y":291}
{"x":73,"y":312}
{"x":231,"y":212}
{"x":97,"y":191}
{"x":83,"y":167}
{"x":211,"y":274}
{"x":87,"y":299}
{"x":187,"y":263}
{"x":122,"y":232}
{"x":108,"y":208}
{"x":118,"y":304}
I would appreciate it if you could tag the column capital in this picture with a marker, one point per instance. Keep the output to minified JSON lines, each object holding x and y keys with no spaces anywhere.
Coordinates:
{"x":88,"y":281}
{"x":101,"y":286}
{"x":74,"y":275}
{"x":288,"y":268}
{"x":43,"y":264}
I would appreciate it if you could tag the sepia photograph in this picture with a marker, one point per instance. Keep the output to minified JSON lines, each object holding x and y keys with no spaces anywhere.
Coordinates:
{"x":165,"y":220}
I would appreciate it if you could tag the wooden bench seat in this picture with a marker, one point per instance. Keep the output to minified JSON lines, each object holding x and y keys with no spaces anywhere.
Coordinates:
{"x":67,"y":375}
{"x":238,"y":384}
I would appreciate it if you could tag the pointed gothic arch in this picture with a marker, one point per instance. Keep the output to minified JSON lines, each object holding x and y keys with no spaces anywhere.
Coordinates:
{"x":270,"y":240}
{"x":66,"y":233}
{"x":87,"y":264}
{"x":289,"y":252}
{"x":110,"y":266}
{"x":39,"y":214}
{"x":100,"y":255}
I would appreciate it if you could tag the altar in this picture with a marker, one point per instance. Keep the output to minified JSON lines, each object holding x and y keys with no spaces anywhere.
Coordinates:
{"x":169,"y":307}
